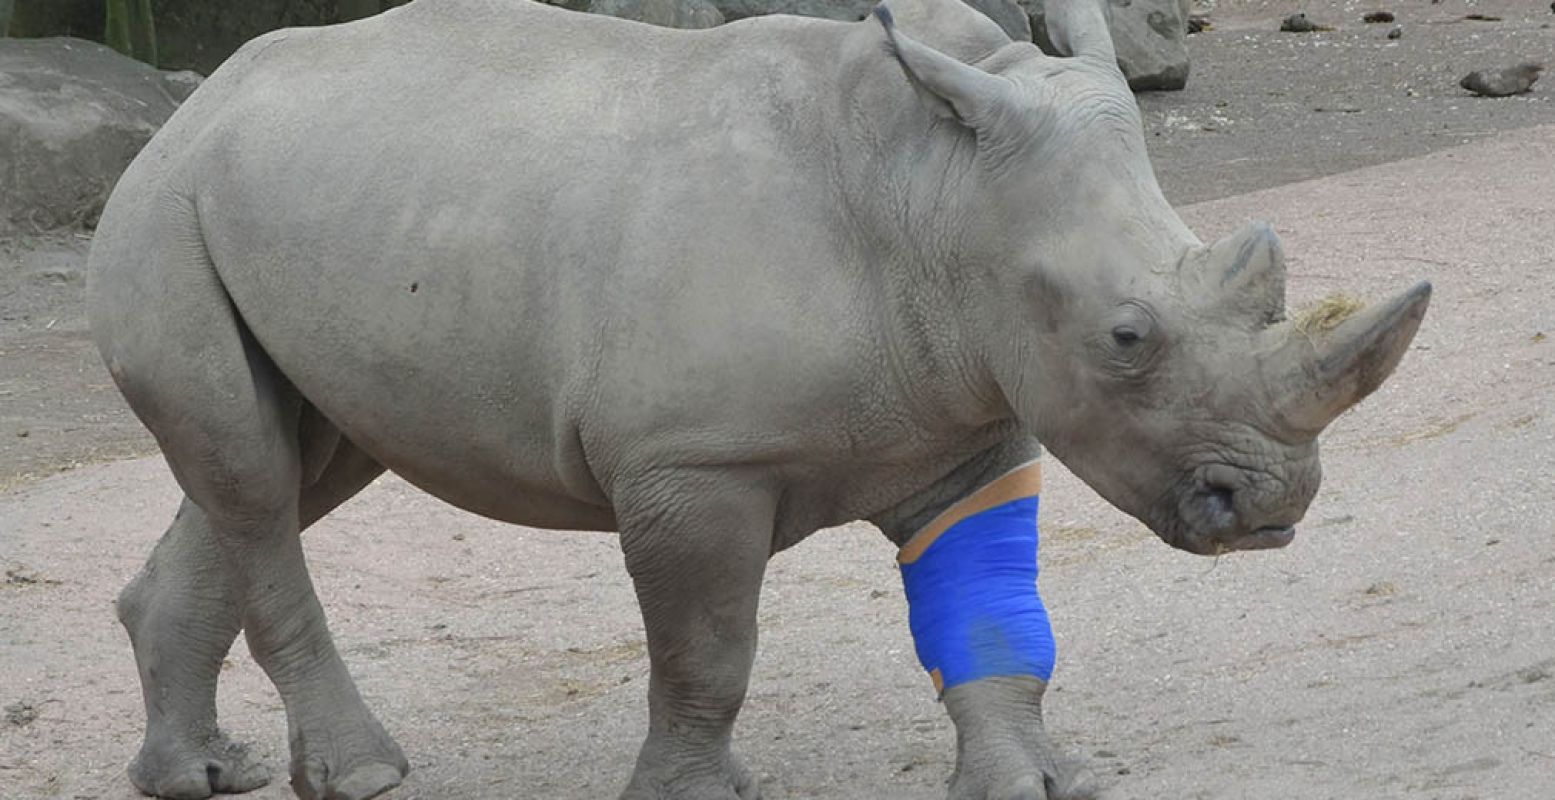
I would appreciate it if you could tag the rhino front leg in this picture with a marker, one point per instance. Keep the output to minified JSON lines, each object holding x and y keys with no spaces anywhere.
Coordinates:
{"x":982,"y":632}
{"x":1002,"y":750}
{"x":696,"y":550}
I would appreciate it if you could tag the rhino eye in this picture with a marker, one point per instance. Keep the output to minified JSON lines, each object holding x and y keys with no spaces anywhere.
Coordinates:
{"x":1130,"y":343}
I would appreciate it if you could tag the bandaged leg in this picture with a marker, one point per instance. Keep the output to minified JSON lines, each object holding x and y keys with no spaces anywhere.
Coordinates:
{"x":971,"y":581}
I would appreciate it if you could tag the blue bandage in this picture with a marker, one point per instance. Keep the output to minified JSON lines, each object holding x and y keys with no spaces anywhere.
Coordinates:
{"x":971,"y":581}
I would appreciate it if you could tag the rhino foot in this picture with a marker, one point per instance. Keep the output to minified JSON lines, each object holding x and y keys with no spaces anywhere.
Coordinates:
{"x":1002,"y":749}
{"x":737,"y":783}
{"x":1070,"y":781}
{"x":194,"y":771}
{"x":317,"y":781}
{"x":353,"y":765}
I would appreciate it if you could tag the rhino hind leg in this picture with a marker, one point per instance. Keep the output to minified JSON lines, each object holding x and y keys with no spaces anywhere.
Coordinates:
{"x":181,"y":618}
{"x":242,"y":443}
{"x":696,"y":547}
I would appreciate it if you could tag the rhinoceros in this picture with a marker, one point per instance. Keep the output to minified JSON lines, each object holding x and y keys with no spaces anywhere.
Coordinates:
{"x":711,"y":290}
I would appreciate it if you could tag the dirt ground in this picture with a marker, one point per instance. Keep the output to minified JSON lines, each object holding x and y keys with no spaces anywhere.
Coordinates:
{"x":1403,"y":647}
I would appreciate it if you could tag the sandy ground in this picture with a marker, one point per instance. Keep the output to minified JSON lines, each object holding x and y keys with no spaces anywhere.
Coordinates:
{"x":1403,"y":647}
{"x":1265,"y":108}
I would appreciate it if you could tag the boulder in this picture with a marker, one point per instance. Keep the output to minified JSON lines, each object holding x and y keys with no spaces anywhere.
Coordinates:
{"x":1010,"y":16}
{"x":1149,"y":35}
{"x":665,"y":13}
{"x":73,"y":114}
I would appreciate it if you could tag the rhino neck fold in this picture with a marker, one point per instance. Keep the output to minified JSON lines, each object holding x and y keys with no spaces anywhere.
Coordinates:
{"x":906,"y":184}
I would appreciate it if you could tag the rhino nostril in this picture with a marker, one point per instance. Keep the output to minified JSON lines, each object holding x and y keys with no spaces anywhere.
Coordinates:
{"x":1220,"y":503}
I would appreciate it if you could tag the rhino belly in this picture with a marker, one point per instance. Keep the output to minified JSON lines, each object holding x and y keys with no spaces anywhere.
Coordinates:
{"x":426,"y":366}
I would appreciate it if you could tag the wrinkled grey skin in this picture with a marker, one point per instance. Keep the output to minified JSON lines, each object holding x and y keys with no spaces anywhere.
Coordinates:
{"x":713,"y":290}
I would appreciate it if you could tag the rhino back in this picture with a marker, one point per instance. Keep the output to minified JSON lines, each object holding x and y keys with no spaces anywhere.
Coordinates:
{"x":505,"y":245}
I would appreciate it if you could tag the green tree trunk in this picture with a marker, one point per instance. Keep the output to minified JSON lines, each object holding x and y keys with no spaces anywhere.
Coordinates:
{"x":130,"y":29}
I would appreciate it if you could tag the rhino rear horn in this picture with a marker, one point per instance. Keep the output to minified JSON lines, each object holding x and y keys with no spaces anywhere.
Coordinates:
{"x":1326,"y":372}
{"x":1244,"y":274}
{"x":1081,"y":28}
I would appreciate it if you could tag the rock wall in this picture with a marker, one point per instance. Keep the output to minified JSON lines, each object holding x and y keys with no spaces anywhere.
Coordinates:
{"x":80,"y":18}
{"x":200,"y":34}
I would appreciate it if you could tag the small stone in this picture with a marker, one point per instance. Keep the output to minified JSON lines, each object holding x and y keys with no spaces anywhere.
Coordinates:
{"x":23,"y":434}
{"x":1199,"y":24}
{"x":1382,"y":589}
{"x":1533,"y":675}
{"x":1297,"y":23}
{"x":1378,"y":16}
{"x":21,"y":713}
{"x":1398,"y":31}
{"x":1502,"y":82}
{"x":458,"y":537}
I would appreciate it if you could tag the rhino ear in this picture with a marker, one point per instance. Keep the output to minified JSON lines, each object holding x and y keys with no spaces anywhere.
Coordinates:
{"x":948,"y":87}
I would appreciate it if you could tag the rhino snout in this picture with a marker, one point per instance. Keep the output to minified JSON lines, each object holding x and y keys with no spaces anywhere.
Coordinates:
{"x":1225,"y":512}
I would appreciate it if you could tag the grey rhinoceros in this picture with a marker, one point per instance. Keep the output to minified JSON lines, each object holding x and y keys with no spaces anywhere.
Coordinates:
{"x":713,"y":290}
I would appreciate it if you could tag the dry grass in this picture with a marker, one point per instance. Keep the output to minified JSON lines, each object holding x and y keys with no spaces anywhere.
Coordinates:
{"x":1327,"y":314}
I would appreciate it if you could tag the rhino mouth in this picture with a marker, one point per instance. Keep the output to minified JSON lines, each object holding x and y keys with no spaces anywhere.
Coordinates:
{"x":1271,"y":537}
{"x":1222,"y":508}
{"x":1266,"y":538}
{"x":1206,"y":525}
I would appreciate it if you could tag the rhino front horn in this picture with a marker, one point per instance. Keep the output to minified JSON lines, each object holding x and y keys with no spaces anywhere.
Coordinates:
{"x":1325,"y":372}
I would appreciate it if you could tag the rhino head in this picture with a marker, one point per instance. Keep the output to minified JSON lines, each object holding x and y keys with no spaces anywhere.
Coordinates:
{"x":1164,"y":372}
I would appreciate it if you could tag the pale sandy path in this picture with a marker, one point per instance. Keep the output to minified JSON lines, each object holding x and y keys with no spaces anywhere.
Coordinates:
{"x":1403,"y":647}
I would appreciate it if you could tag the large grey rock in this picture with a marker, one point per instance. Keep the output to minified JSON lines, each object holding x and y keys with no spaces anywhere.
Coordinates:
{"x":666,"y":13}
{"x":1149,"y":35}
{"x":1010,"y":16}
{"x":73,"y":114}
